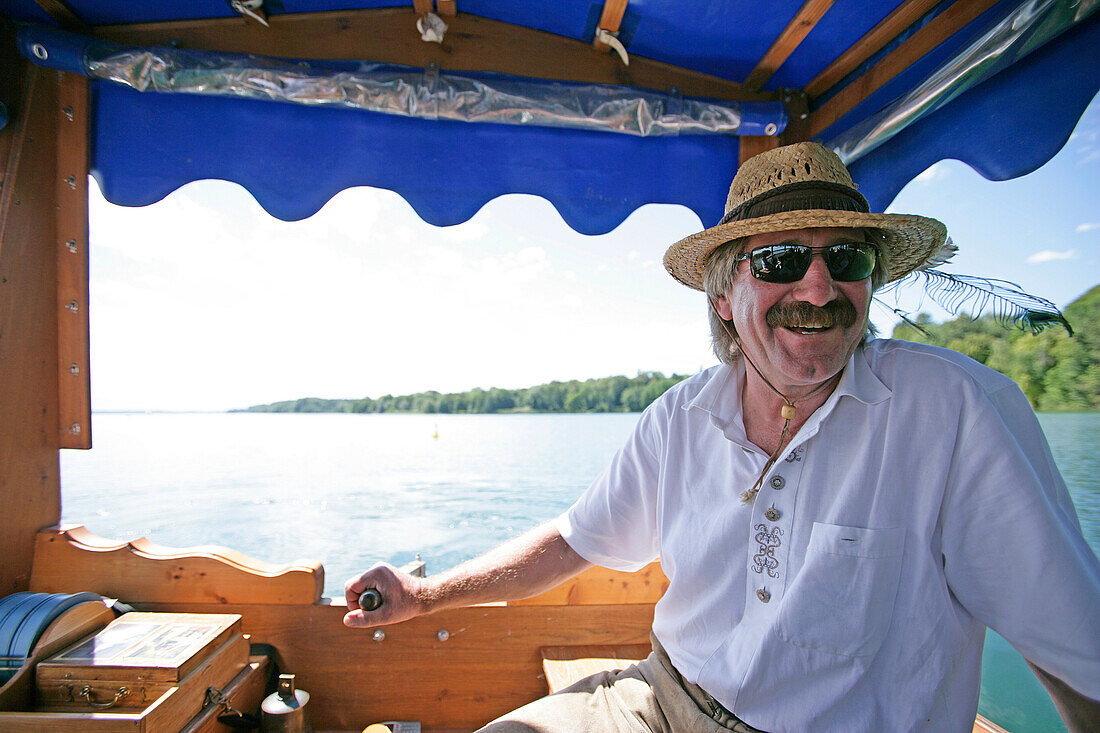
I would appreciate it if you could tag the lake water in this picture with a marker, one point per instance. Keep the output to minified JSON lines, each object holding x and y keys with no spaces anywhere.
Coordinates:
{"x":353,"y":489}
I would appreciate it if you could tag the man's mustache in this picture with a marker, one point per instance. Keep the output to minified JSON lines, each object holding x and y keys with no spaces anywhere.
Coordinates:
{"x":839,"y":312}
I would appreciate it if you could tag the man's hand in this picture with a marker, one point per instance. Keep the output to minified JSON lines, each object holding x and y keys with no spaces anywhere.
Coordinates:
{"x":400,"y":600}
{"x":520,"y":568}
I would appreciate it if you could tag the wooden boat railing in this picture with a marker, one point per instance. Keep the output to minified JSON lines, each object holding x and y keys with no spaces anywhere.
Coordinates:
{"x":492,"y":658}
{"x":487,"y":663}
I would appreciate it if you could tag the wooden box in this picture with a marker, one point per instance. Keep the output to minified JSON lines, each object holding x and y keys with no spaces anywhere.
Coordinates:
{"x":137,"y":658}
{"x":221,"y":656}
{"x":245,"y":693}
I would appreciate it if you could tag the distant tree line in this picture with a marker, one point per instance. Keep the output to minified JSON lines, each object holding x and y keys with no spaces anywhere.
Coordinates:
{"x":609,"y":394}
{"x":1056,"y":372}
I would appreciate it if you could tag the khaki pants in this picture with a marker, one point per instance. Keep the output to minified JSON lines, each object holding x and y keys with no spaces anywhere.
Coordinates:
{"x":648,"y":696}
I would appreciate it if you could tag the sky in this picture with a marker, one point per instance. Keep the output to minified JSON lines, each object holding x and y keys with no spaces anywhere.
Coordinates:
{"x":204,"y":302}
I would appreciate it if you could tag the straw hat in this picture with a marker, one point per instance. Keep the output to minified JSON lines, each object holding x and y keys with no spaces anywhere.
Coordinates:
{"x":796,"y":187}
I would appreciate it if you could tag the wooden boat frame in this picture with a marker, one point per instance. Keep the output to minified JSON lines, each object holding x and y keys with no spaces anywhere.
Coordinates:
{"x":489,"y":660}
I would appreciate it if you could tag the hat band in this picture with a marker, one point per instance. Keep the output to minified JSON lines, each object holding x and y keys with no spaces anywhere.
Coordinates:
{"x":811,"y":195}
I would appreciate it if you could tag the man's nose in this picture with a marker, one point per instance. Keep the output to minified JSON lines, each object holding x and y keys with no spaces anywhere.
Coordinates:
{"x":817,"y":286}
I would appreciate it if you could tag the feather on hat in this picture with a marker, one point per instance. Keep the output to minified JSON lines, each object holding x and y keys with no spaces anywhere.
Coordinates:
{"x":806,"y":185}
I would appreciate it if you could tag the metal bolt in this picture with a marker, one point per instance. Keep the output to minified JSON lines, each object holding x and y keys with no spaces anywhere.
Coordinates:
{"x":73,"y":306}
{"x":379,"y":635}
{"x":40,"y":51}
{"x":443,"y":635}
{"x":74,"y":369}
{"x":68,"y":112}
{"x":71,"y":245}
{"x":71,"y":180}
{"x":770,"y":129}
{"x":75,"y":428}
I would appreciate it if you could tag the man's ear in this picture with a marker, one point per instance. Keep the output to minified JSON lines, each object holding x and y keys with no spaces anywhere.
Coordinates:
{"x":721,"y":306}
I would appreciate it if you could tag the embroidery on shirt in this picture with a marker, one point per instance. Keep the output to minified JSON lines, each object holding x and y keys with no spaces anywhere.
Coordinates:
{"x":765,"y":560}
{"x":795,"y":455}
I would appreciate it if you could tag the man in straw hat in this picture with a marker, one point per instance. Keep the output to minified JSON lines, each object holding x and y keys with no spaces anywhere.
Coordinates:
{"x":839,"y":518}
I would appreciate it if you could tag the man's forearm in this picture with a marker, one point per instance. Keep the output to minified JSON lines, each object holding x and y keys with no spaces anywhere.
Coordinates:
{"x":520,"y":568}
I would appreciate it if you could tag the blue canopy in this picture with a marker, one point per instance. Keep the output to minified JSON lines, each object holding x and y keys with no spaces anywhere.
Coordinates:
{"x":293,"y":158}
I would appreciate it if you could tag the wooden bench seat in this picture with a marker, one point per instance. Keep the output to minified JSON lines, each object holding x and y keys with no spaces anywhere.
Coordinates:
{"x":564,"y":665}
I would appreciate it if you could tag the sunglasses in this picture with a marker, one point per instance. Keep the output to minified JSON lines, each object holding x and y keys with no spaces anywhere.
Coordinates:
{"x":788,"y":263}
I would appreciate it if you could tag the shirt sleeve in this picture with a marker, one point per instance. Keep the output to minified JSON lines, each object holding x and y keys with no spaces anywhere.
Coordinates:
{"x":614,"y":522}
{"x":1014,"y":555}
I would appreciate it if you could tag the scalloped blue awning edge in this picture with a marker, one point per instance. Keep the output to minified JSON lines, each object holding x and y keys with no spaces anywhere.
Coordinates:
{"x":1002,"y":128}
{"x":294,"y":159}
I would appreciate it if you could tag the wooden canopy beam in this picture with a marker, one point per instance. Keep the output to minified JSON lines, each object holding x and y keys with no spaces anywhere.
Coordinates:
{"x":872,"y":42}
{"x":611,"y":19}
{"x":445,"y":8}
{"x":797,"y":30}
{"x":936,"y":32}
{"x":472,"y":44}
{"x":65,"y":16}
{"x":750,"y":145}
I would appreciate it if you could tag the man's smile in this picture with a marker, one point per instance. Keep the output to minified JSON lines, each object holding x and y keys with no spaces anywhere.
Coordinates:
{"x":808,"y":330}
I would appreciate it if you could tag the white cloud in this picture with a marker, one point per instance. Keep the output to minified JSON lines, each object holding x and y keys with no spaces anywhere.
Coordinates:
{"x":470,"y":231}
{"x":935,"y":172}
{"x":1049,"y":255}
{"x":1087,"y":226}
{"x":522,"y":266}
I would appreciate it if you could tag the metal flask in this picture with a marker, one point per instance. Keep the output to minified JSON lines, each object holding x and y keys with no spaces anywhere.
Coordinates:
{"x":284,"y":711}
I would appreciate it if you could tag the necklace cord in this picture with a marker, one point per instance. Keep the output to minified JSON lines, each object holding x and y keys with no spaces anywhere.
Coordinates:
{"x":787,"y":412}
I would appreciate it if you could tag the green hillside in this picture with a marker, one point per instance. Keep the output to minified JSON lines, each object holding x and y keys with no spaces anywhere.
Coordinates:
{"x":1055,"y":371}
{"x":609,"y":394}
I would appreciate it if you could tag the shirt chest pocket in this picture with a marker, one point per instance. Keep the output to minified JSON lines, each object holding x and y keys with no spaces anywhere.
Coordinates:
{"x":842,"y":599}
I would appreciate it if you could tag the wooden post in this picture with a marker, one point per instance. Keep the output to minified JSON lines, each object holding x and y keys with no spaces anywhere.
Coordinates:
{"x":29,"y":443}
{"x":71,"y":247}
{"x":754,"y":144}
{"x":796,"y":131}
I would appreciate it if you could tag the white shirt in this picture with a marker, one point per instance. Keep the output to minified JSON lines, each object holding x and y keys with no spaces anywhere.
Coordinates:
{"x":917,"y":506}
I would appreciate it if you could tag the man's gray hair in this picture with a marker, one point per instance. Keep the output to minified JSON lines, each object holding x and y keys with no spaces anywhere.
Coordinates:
{"x":718,"y":279}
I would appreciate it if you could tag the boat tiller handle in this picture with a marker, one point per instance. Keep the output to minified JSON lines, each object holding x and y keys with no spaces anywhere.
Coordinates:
{"x":370,"y":600}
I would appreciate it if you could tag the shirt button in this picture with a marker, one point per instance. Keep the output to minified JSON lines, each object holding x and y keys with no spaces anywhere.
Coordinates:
{"x":772,"y":514}
{"x":763,"y":595}
{"x":778,"y":482}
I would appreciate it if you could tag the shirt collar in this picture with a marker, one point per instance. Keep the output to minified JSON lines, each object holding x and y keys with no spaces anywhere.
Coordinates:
{"x":860,"y":382}
{"x":721,"y":395}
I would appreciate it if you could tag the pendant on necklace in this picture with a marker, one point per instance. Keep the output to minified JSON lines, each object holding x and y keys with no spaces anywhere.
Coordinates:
{"x":787,"y":412}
